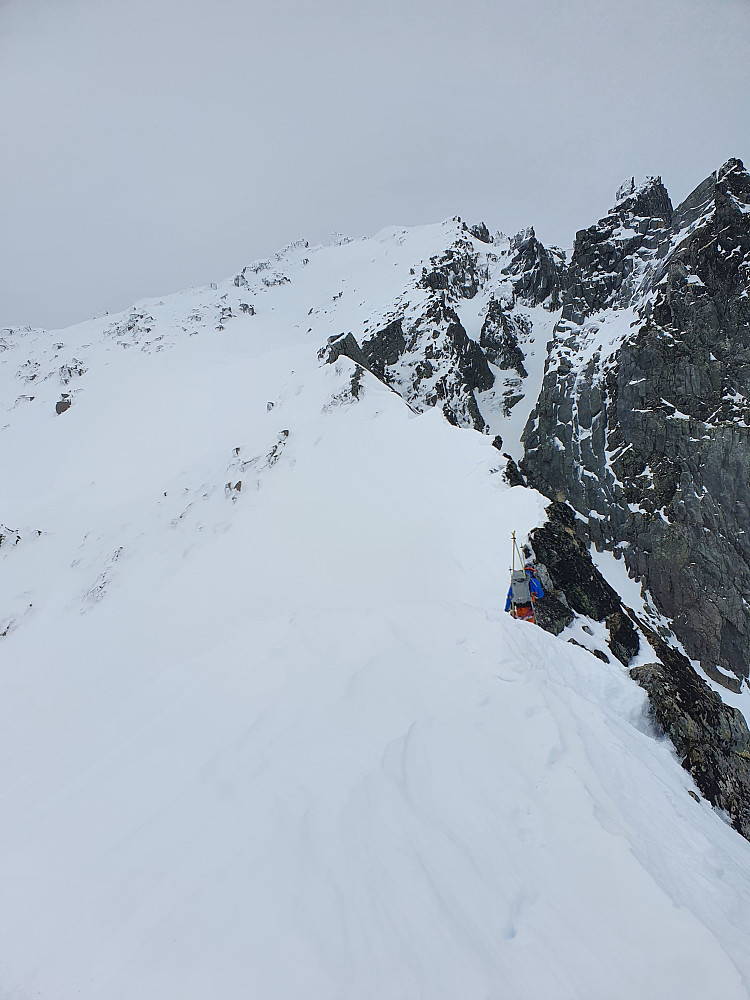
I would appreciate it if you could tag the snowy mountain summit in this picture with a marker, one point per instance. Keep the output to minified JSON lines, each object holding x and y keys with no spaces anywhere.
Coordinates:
{"x":267,"y":730}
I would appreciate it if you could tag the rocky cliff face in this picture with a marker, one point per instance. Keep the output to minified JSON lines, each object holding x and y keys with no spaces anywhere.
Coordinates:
{"x":644,"y":414}
{"x":711,"y":739}
{"x":458,"y":338}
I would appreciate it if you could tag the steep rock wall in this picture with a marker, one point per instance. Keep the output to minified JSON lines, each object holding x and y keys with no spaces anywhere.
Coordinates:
{"x":643,"y":419}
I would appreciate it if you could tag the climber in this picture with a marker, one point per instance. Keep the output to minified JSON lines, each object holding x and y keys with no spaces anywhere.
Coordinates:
{"x":523,"y":591}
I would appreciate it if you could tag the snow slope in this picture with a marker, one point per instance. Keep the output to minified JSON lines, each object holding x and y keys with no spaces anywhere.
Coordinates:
{"x":280,"y":741}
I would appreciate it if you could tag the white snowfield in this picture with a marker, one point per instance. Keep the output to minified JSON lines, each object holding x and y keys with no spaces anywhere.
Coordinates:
{"x":280,"y":742}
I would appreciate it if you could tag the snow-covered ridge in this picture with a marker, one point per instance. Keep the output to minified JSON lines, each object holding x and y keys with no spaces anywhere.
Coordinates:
{"x":317,"y":294}
{"x":265,"y":729}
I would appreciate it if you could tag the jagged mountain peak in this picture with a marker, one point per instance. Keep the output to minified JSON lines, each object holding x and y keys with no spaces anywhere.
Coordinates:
{"x":614,"y":259}
{"x":647,"y":200}
{"x":733,"y":188}
{"x":730,"y":181}
{"x":481,"y":232}
{"x":732,"y":166}
{"x":625,"y":190}
{"x":538,"y":271}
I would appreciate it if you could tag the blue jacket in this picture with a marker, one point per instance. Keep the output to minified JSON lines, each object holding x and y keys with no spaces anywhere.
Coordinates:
{"x":534,"y":586}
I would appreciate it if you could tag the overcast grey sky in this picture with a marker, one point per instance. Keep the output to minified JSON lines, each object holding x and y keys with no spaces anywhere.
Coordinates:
{"x":148,"y":145}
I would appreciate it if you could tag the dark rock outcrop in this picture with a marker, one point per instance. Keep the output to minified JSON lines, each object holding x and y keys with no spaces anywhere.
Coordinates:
{"x":433,"y":362}
{"x":455,"y":271}
{"x":562,"y":553}
{"x":552,"y":614}
{"x":499,"y":337}
{"x":345,"y":344}
{"x":480,"y":232}
{"x":565,"y":555}
{"x":384,"y":349}
{"x":610,"y":257}
{"x":643,"y":421}
{"x":538,"y":272}
{"x":711,"y":738}
{"x":623,"y":638}
{"x":512,"y":475}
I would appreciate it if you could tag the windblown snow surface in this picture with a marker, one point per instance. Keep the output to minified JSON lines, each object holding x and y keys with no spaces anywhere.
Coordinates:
{"x":280,"y":741}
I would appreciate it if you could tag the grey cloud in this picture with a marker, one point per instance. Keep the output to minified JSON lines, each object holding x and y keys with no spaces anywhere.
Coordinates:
{"x":153,"y":145}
